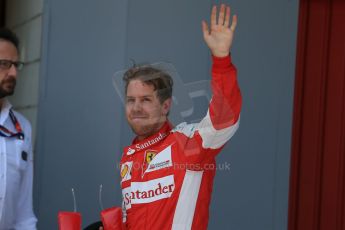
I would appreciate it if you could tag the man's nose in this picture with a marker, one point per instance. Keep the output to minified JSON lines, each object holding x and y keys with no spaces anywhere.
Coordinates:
{"x":137,"y":106}
{"x":13,"y":71}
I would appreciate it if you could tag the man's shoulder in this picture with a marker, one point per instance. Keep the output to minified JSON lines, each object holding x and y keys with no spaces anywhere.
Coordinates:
{"x":185,"y":128}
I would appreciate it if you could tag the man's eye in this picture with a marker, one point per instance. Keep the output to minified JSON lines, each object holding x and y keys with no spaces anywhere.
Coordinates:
{"x":147,"y":99}
{"x":4,"y":63}
{"x":130,"y":100}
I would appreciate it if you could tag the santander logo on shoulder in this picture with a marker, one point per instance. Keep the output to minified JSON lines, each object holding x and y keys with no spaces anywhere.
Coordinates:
{"x":130,"y":151}
{"x":143,"y":145}
{"x":149,"y":191}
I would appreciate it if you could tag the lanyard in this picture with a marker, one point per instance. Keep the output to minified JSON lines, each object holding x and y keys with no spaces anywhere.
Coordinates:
{"x":7,"y":133}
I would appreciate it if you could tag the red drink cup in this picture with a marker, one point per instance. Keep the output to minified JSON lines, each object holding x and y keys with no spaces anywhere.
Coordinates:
{"x":69,"y":220}
{"x":112,"y":218}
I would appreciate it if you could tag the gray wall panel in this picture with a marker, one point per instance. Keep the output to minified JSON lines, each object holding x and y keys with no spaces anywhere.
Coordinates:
{"x":254,"y":194}
{"x":78,"y":143}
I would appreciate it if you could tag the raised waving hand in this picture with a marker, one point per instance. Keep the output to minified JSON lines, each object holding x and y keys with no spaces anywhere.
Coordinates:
{"x":219,"y":35}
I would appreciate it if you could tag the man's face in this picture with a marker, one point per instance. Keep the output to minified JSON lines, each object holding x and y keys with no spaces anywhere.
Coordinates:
{"x":8,"y":77}
{"x":145,"y":113}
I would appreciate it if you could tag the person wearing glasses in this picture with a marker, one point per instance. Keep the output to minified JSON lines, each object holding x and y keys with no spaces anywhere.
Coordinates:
{"x":16,"y":162}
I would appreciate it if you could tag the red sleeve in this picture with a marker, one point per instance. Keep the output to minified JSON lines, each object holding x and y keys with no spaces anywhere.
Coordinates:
{"x":204,"y":140}
{"x":226,"y":102}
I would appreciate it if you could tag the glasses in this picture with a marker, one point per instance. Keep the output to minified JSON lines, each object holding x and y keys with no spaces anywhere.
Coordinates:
{"x":6,"y":64}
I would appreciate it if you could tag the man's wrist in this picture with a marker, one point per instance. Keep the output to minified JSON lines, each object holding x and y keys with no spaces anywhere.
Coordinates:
{"x":220,"y":54}
{"x":221,"y":62}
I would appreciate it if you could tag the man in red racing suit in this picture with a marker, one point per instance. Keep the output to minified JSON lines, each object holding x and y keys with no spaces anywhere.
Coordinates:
{"x":167,"y":173}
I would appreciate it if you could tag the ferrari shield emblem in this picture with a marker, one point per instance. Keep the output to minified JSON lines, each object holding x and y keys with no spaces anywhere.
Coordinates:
{"x":149,"y":156}
{"x":124,"y":171}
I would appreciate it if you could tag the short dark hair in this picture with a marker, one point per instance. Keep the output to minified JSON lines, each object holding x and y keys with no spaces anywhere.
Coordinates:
{"x":160,"y":80}
{"x":8,"y":35}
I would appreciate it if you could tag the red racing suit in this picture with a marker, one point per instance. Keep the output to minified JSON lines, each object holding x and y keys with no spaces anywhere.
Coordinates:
{"x":167,"y":178}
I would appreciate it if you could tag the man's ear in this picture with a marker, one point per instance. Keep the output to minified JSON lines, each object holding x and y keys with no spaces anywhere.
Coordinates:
{"x":166,"y":106}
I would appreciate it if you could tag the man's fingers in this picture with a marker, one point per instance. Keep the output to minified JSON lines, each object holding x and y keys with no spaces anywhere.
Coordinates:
{"x":214,"y":16}
{"x":223,"y":19}
{"x":205,"y":28}
{"x":221,"y":15}
{"x":233,"y":23}
{"x":227,"y":17}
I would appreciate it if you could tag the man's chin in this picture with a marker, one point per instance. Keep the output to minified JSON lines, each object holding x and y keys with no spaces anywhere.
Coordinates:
{"x":7,"y":92}
{"x":142,"y":130}
{"x":139,"y":131}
